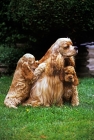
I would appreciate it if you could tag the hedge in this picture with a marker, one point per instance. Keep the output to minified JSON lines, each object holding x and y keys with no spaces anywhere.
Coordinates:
{"x":31,"y":21}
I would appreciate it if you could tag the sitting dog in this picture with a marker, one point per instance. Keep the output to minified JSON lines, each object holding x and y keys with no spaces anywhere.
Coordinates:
{"x":48,"y":89}
{"x":70,"y":86}
{"x":25,"y":75}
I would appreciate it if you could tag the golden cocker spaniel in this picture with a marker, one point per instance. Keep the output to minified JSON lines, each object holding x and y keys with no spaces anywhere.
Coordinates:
{"x":25,"y":75}
{"x":48,"y":89}
{"x":70,"y":83}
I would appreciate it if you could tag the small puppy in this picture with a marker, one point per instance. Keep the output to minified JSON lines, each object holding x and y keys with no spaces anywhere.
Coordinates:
{"x":25,"y":75}
{"x":70,"y":86}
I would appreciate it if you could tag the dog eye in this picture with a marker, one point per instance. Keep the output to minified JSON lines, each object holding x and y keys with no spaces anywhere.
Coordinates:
{"x":66,"y":73}
{"x":66,"y":47}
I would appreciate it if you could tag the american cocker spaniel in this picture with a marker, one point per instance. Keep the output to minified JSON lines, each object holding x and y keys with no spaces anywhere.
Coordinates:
{"x":48,"y":89}
{"x":25,"y":75}
{"x":70,"y":83}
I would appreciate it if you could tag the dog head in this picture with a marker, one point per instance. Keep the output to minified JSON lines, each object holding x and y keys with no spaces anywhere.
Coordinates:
{"x":65,"y":47}
{"x":70,"y":75}
{"x":29,"y":59}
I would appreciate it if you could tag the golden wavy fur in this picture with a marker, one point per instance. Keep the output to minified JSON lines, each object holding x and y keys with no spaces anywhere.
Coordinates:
{"x":25,"y":75}
{"x":48,"y":89}
{"x":70,"y":86}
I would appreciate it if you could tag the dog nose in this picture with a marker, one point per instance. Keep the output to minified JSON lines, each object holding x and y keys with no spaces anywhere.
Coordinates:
{"x":76,"y":48}
{"x":70,"y":77}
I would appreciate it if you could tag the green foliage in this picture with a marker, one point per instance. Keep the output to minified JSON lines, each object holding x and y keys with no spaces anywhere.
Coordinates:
{"x":5,"y":82}
{"x":49,"y":123}
{"x":9,"y":56}
{"x":31,"y":20}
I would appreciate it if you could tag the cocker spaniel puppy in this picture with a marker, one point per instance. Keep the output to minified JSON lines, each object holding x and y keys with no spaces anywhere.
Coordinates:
{"x":70,"y":86}
{"x":48,"y":89}
{"x":25,"y":75}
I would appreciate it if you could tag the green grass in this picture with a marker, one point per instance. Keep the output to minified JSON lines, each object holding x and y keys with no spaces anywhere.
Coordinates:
{"x":53,"y":123}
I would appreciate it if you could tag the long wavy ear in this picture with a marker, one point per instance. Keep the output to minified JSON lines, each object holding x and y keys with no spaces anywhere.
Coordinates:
{"x":76,"y":81}
{"x":26,"y":71}
{"x":61,"y":76}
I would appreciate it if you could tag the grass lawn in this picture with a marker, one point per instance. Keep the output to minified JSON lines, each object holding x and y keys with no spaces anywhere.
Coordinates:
{"x":52,"y":123}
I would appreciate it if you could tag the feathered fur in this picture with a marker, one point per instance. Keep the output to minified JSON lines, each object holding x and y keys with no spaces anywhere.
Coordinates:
{"x":70,"y":86}
{"x":48,"y":89}
{"x":25,"y":75}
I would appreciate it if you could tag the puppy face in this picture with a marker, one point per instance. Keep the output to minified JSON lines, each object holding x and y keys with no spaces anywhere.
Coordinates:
{"x":28,"y":58}
{"x":69,"y":74}
{"x":66,"y":48}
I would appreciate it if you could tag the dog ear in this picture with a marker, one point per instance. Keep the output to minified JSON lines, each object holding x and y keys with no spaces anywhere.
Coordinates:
{"x":26,"y":71}
{"x":76,"y":81}
{"x":61,"y":76}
